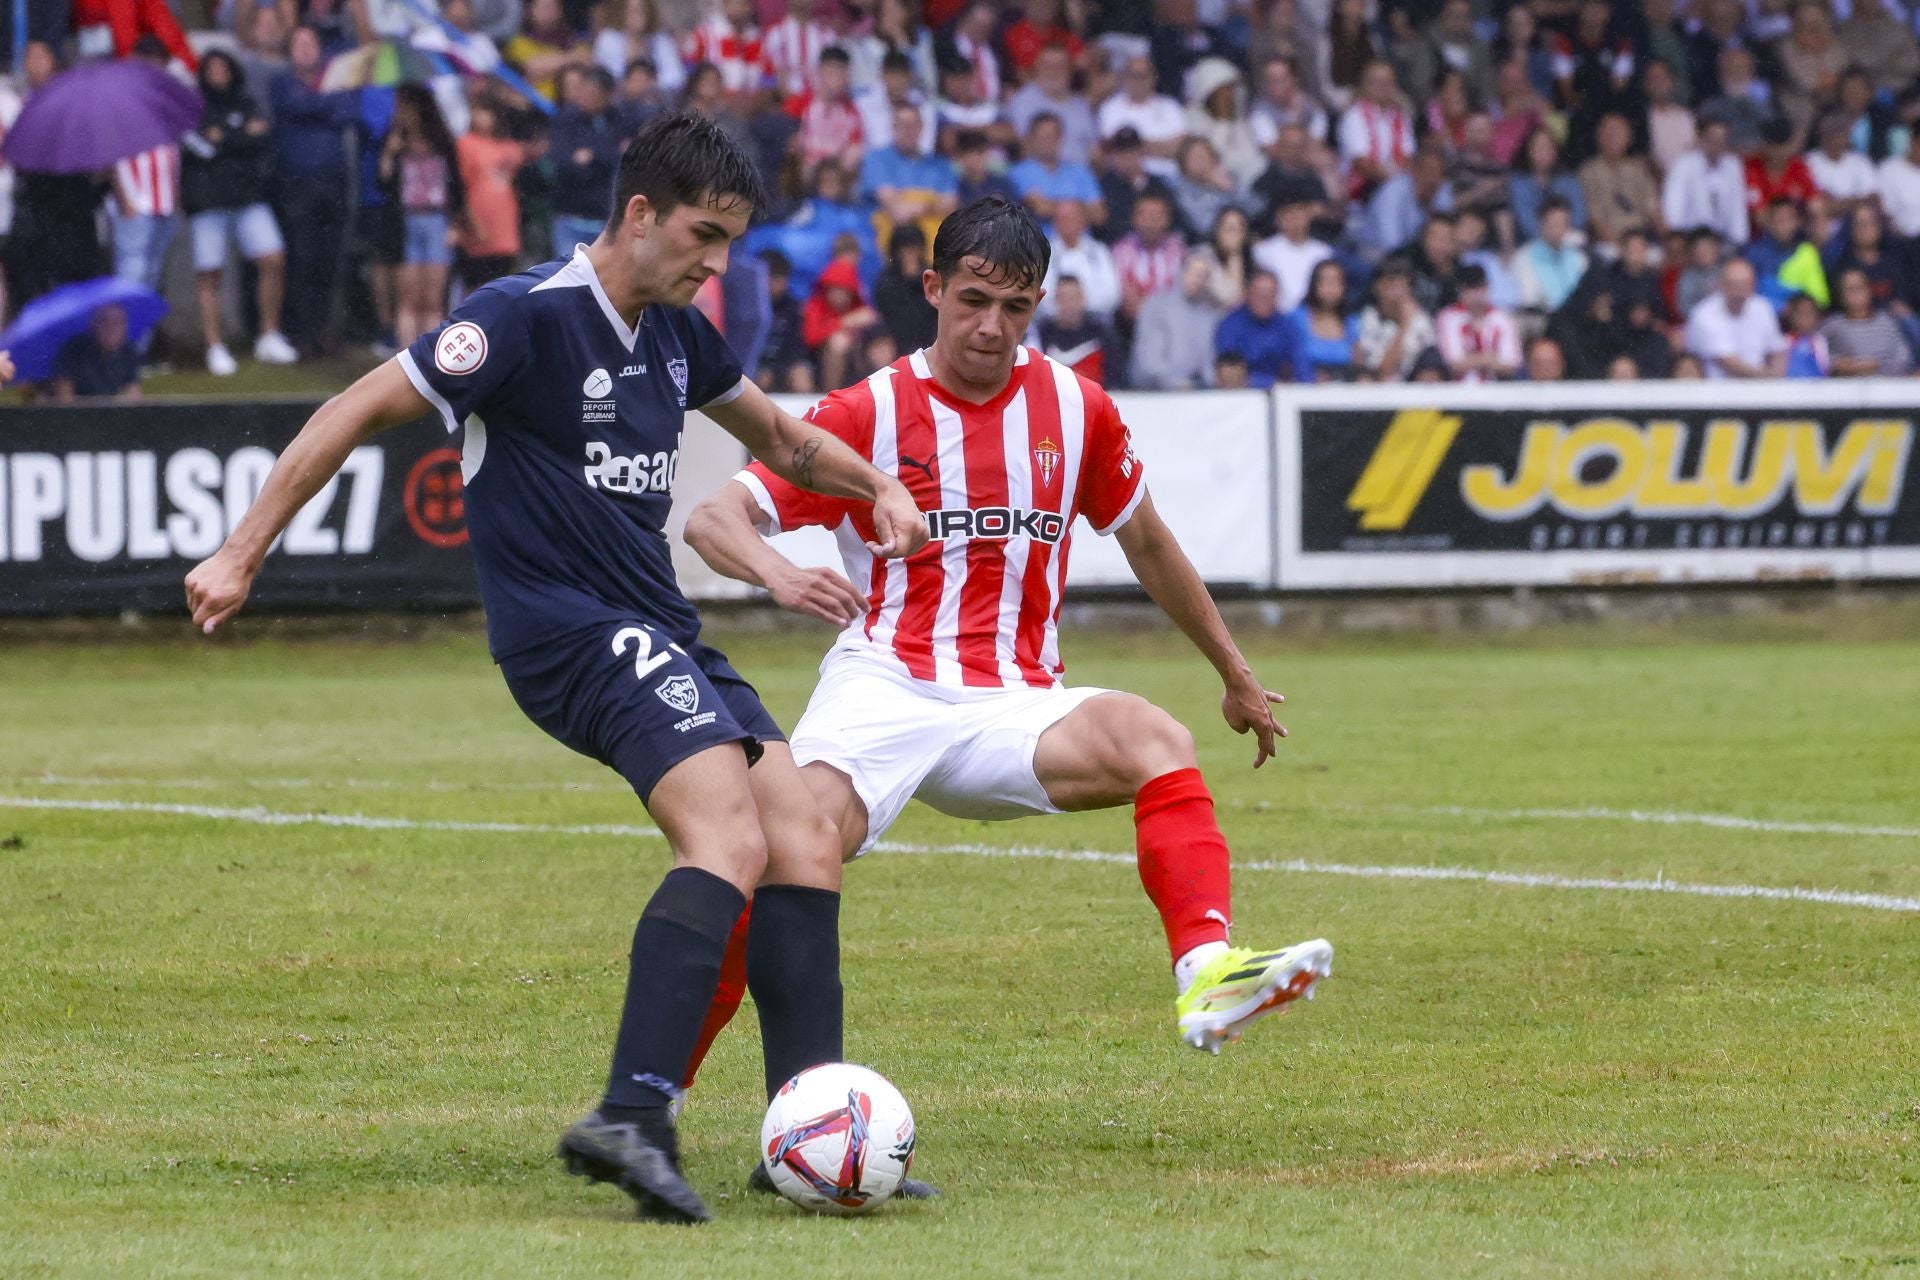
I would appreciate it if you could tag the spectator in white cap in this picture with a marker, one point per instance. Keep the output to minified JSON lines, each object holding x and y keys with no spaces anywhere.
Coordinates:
{"x":1217,"y":111}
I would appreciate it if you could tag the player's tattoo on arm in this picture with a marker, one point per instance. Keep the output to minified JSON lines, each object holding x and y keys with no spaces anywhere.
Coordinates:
{"x":803,"y":456}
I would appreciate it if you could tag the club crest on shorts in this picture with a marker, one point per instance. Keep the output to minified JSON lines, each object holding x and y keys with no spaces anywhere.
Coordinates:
{"x":680,"y":693}
{"x":1046,"y":456}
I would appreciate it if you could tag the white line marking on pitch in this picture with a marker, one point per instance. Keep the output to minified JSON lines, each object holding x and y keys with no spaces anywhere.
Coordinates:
{"x":310,"y":784}
{"x":1591,"y":814}
{"x":1728,"y":821}
{"x":1516,"y":879}
{"x":360,"y":821}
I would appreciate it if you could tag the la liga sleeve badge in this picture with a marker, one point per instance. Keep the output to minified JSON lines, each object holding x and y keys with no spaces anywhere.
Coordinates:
{"x":461,"y":348}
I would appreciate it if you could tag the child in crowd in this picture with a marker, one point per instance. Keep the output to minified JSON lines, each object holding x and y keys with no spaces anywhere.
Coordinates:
{"x":422,"y":168}
{"x":785,"y":364}
{"x":489,"y":162}
{"x":1806,"y":349}
{"x":1072,"y":336}
{"x":836,"y":319}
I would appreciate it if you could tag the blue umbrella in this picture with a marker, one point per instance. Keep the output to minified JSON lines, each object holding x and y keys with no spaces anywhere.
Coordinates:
{"x":44,"y":325}
{"x":97,"y":113}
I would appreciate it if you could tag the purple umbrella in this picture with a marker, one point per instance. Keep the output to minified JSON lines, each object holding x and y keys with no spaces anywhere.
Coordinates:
{"x":97,"y":113}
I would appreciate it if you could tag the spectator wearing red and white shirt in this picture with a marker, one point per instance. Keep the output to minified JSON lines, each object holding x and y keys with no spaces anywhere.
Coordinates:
{"x":1149,"y":257}
{"x":1478,"y":340}
{"x":973,"y":40}
{"x":146,"y":210}
{"x":793,"y":47}
{"x":830,"y":124}
{"x":146,"y":198}
{"x":1376,"y":133}
{"x":731,"y":42}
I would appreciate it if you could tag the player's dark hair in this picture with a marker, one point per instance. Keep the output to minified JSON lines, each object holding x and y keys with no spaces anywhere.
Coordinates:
{"x":835,"y":54}
{"x":1002,"y":236}
{"x":681,"y":158}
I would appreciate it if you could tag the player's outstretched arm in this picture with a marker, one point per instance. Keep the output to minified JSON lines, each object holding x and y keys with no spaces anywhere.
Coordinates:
{"x":1176,"y":586}
{"x":804,"y":454}
{"x":725,"y":530}
{"x":384,"y":398}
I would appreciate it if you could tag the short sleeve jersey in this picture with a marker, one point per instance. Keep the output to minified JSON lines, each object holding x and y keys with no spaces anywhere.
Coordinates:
{"x":1001,"y":484}
{"x":572,"y":425}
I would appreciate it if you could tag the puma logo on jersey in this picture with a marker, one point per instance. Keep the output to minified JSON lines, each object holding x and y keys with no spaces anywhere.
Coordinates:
{"x":996,"y":522}
{"x":642,"y":473}
{"x":924,"y":468}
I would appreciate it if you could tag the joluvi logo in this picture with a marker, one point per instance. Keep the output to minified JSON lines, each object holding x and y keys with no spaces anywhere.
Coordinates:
{"x":1600,"y":468}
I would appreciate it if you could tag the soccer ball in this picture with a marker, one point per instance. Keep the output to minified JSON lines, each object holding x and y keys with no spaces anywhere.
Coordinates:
{"x":837,"y":1139}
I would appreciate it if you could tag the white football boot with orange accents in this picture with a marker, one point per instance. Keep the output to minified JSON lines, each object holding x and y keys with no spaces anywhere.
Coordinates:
{"x":1241,"y":986}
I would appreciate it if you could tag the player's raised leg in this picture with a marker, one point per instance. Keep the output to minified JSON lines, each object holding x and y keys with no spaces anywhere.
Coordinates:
{"x":704,"y":806}
{"x":1117,"y":749}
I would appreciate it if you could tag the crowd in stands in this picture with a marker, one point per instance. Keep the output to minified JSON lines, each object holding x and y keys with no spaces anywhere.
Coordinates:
{"x":1238,"y":192}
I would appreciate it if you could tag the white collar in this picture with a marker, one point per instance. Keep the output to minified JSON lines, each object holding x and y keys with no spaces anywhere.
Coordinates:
{"x":579,"y":271}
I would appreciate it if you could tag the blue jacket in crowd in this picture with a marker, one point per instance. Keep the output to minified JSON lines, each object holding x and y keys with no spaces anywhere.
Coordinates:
{"x":1266,"y":345}
{"x":309,"y":129}
{"x":583,"y":190}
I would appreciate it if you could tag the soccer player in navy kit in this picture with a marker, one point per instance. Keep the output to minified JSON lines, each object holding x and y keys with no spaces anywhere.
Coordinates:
{"x":571,"y":381}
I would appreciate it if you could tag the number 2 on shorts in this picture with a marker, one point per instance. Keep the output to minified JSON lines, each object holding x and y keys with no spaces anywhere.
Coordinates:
{"x":645,"y":660}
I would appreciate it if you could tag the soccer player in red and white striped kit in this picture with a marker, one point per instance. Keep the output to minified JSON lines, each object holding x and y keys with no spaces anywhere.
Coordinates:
{"x":945,"y":684}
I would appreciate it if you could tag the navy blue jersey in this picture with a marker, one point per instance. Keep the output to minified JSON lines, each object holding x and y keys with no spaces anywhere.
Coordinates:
{"x":572,"y":440}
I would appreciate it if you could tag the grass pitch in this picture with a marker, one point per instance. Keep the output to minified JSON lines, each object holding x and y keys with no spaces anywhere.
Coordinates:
{"x":236,"y":1049}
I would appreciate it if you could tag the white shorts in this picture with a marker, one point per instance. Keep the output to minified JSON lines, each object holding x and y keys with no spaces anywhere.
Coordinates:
{"x":965,"y":752}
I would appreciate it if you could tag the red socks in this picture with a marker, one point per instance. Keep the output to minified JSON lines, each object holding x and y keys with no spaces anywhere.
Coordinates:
{"x":1183,"y":859}
{"x":1183,"y":867}
{"x":726,"y":997}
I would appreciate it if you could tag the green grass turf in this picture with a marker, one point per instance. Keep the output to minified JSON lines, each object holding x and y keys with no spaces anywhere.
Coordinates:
{"x":236,"y":1050}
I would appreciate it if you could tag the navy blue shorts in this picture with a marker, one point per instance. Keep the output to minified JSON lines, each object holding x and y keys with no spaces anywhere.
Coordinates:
{"x":623,"y":695}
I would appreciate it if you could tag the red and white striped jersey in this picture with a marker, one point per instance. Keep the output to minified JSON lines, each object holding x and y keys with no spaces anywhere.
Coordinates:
{"x":740,"y":54}
{"x":1001,"y":484}
{"x":793,"y":49}
{"x":149,"y":183}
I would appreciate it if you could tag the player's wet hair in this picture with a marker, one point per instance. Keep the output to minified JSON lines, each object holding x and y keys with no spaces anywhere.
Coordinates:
{"x":1002,"y":236}
{"x":681,"y":158}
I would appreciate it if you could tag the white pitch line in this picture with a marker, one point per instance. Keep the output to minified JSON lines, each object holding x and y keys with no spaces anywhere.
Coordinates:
{"x":307,"y":784}
{"x":1660,"y":818}
{"x":1516,"y":879}
{"x":360,"y":821}
{"x":1654,"y":817}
